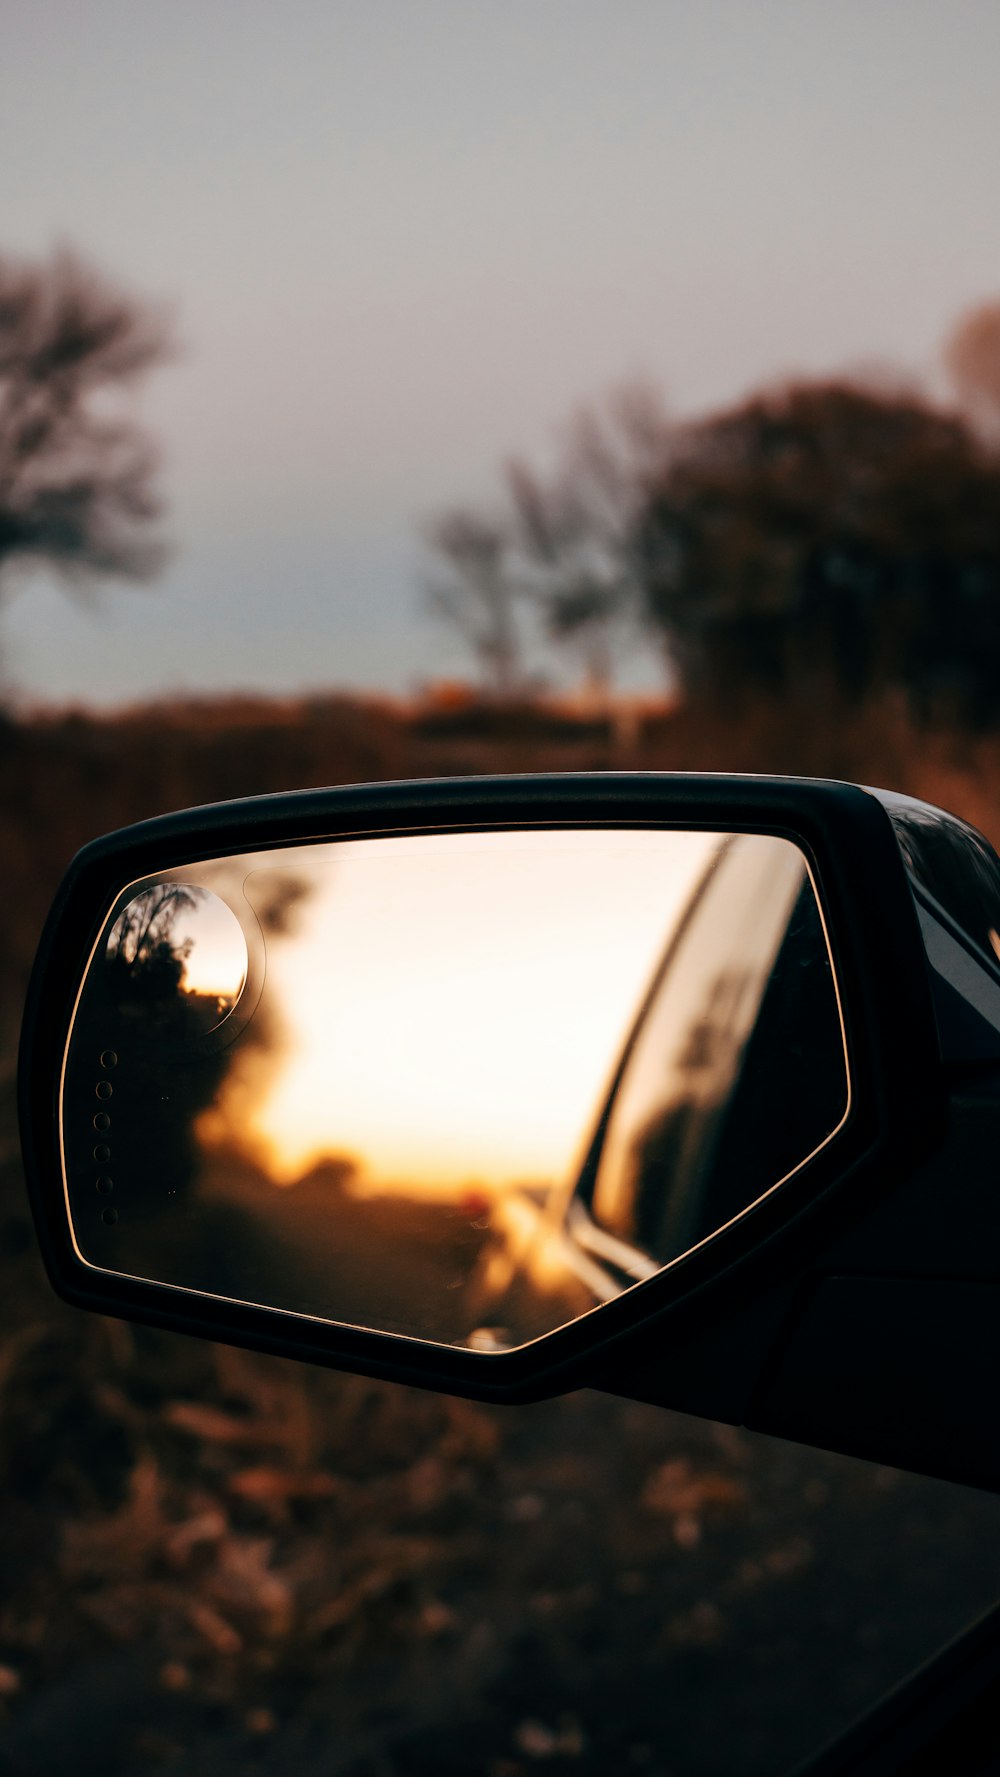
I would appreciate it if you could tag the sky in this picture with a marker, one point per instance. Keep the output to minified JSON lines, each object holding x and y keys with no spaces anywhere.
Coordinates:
{"x":403,"y":239}
{"x":420,"y":1000}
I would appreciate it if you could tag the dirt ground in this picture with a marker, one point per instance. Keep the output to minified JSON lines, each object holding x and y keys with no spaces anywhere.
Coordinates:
{"x":217,"y":1564}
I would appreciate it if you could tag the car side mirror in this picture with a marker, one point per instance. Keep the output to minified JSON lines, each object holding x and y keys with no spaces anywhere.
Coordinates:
{"x":504,"y":1086}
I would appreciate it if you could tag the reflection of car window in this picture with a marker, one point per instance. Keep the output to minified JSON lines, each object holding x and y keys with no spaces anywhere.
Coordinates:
{"x":738,"y":1056}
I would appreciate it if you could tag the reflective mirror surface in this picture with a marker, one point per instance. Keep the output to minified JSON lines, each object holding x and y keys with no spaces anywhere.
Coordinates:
{"x":175,"y":943}
{"x":463,"y":1087}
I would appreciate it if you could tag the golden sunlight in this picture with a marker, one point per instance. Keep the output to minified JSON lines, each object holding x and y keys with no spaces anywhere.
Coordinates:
{"x":450,"y":1006}
{"x":214,"y":949}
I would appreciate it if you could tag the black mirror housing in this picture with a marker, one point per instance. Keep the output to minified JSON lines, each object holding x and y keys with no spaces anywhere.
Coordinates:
{"x":898,"y":1093}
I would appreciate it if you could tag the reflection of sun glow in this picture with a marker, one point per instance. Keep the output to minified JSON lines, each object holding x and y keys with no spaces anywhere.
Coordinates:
{"x":214,"y":948}
{"x":452,"y":1004}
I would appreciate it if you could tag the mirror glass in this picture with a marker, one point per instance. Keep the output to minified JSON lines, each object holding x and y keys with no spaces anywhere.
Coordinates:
{"x":459,"y":1086}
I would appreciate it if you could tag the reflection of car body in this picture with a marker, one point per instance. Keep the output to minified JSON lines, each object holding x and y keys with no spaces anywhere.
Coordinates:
{"x":691,"y":1130}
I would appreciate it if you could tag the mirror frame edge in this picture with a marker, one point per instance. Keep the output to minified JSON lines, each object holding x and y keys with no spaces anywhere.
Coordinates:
{"x":898,"y":1094}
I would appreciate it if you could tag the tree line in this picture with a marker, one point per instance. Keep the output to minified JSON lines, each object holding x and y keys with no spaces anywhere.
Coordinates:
{"x":838,"y":536}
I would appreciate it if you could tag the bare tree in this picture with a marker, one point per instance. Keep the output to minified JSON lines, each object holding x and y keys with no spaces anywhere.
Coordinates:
{"x":146,"y":925}
{"x":479,"y":595}
{"x":575,"y":531}
{"x":559,"y":552}
{"x":77,"y":471}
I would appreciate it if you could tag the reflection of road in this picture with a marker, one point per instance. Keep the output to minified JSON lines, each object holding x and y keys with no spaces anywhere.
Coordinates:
{"x":531,"y":1276}
{"x":389,"y":1262}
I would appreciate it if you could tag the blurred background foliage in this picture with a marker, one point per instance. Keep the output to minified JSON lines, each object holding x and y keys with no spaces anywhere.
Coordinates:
{"x":839,"y":537}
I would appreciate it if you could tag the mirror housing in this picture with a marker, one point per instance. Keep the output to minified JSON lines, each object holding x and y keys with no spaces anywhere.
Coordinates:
{"x":745,"y":1324}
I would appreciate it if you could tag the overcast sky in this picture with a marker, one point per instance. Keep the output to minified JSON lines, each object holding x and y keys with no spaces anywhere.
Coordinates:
{"x":405,"y":237}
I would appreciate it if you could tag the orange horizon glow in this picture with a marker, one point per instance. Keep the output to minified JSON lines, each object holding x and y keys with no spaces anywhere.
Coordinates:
{"x":215,"y":964}
{"x":451,"y":1005}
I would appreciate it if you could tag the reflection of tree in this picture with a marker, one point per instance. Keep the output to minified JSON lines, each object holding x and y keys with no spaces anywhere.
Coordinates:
{"x":145,"y":960}
{"x":147,"y":963}
{"x":137,"y":1008}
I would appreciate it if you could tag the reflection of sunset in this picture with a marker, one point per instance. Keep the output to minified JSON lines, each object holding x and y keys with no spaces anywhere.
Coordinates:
{"x":451,"y":1005}
{"x":435,"y":1034}
{"x":209,"y":938}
